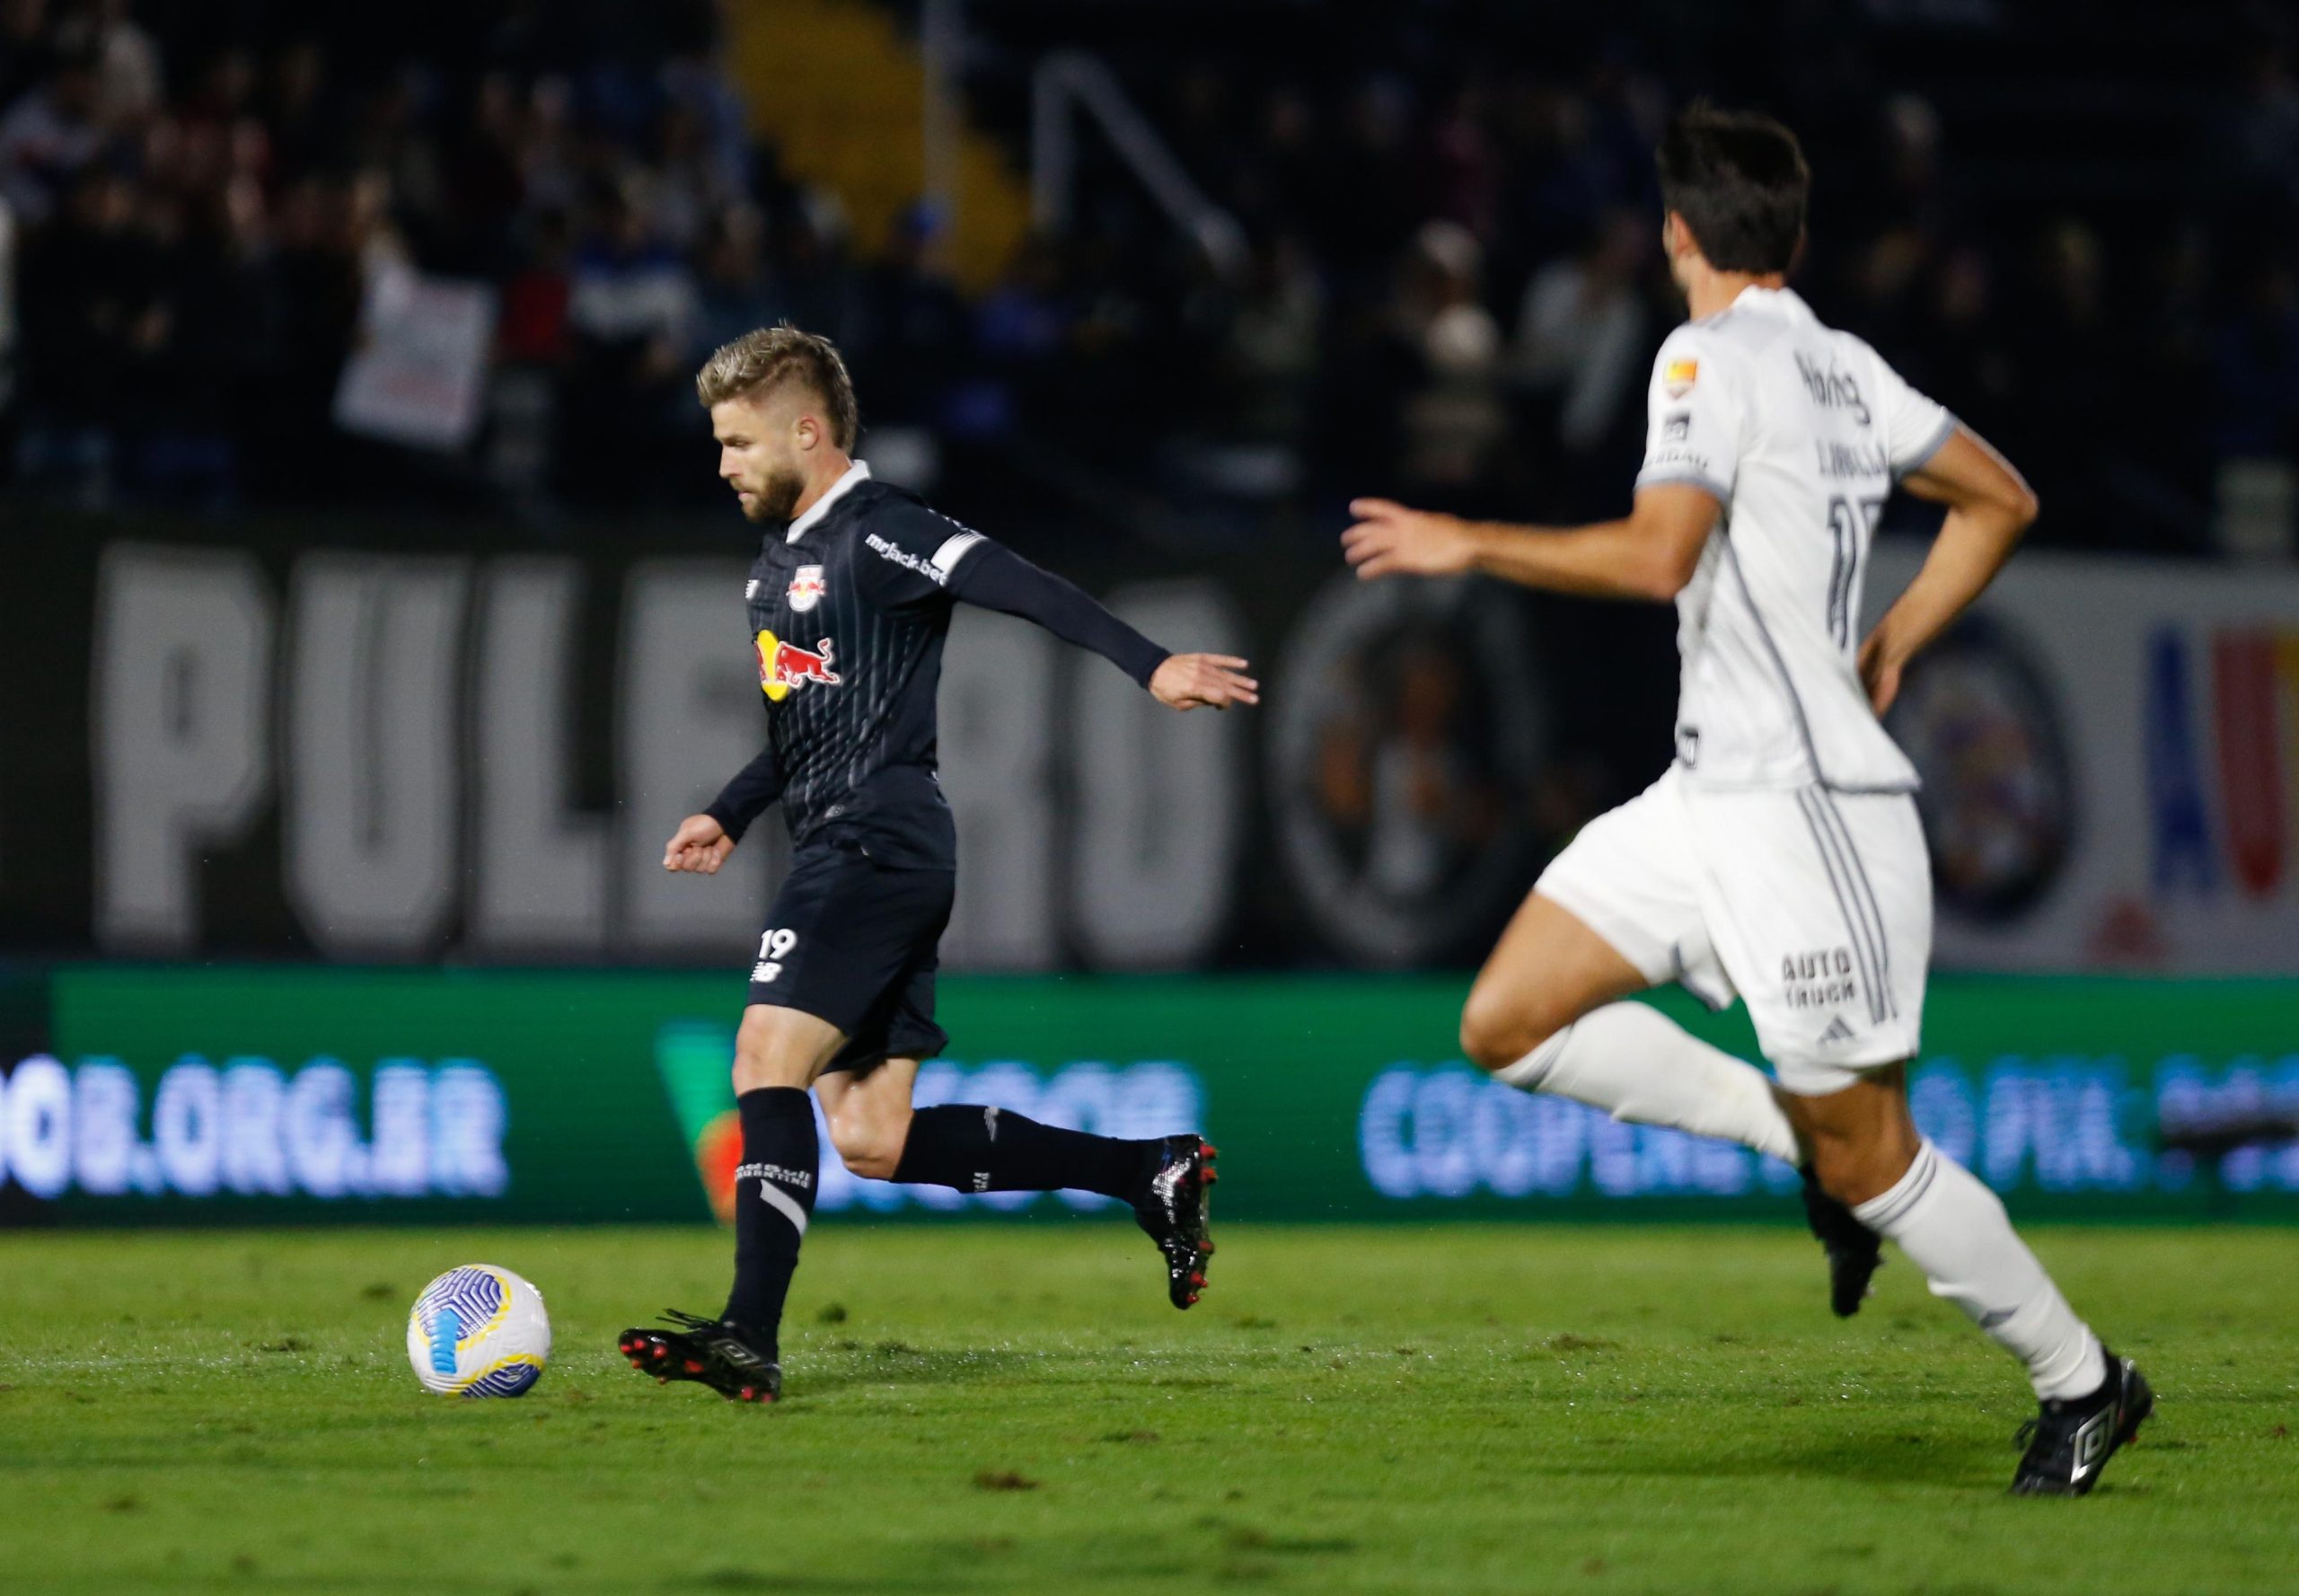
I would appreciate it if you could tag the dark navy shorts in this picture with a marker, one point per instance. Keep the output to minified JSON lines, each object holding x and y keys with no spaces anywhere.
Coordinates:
{"x":856,"y":943}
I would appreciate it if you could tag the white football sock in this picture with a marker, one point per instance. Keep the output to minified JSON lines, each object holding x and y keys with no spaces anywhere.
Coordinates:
{"x":1637,"y":1064}
{"x":1954,"y":1229}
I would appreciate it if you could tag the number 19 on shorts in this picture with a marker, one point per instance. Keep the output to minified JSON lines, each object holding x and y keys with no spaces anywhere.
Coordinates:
{"x":773,"y":948}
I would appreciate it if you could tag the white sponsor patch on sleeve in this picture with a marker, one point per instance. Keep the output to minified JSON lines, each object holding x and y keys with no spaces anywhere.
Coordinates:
{"x":906,"y":559}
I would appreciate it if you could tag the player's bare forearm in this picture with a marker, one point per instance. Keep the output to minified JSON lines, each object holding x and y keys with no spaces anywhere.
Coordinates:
{"x":1649,"y":554}
{"x":1989,"y":508}
{"x":1971,"y":547}
{"x":1605,"y":560}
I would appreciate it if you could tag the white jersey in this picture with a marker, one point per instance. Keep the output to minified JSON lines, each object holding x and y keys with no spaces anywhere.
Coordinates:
{"x":1798,"y":431}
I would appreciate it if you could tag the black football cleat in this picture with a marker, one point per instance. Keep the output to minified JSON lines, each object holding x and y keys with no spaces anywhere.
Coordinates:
{"x":2069,"y":1442}
{"x":715,"y":1353}
{"x":1854,"y":1251}
{"x":1172,"y":1208}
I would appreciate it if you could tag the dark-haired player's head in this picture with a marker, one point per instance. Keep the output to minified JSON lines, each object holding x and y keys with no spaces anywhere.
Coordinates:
{"x":1733,"y":185}
{"x":780,"y":405}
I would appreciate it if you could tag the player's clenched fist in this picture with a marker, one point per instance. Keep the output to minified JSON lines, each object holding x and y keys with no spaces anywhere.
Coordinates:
{"x":1189,"y":680}
{"x":1392,"y":541}
{"x":701,"y":845}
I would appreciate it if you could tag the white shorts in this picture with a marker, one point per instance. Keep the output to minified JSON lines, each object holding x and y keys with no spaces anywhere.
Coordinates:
{"x":1814,"y":906}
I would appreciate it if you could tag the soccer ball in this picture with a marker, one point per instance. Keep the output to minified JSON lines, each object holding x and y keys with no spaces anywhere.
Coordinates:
{"x":479,"y":1331}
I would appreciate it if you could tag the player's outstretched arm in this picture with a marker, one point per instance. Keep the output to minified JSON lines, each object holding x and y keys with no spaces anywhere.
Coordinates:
{"x":1989,"y":507}
{"x":995,"y":577}
{"x":1650,"y":554}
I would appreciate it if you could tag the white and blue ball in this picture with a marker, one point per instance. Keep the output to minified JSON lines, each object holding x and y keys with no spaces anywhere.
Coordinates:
{"x":479,"y":1331}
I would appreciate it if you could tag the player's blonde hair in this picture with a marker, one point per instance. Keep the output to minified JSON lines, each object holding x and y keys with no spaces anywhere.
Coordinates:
{"x":761,"y":361}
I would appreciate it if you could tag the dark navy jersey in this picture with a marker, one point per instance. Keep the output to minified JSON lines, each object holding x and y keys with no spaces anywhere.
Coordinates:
{"x":848,"y":609}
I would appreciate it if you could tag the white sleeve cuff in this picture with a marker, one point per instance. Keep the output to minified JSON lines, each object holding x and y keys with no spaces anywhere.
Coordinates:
{"x":946,"y":557}
{"x":1933,"y":442}
{"x":1690,"y":478}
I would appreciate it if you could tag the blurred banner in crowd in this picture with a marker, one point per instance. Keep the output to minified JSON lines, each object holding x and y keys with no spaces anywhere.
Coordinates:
{"x":417,"y":372}
{"x":411,"y":749}
{"x":141,"y":1095}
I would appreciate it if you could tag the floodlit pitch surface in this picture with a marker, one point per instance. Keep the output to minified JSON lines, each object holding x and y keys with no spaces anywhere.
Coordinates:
{"x":1001,"y":1409}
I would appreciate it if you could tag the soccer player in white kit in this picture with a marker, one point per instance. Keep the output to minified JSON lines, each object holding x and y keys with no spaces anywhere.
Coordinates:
{"x":1780,"y":857}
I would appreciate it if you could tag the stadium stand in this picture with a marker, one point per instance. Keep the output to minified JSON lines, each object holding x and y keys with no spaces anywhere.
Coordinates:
{"x":1448,"y":285}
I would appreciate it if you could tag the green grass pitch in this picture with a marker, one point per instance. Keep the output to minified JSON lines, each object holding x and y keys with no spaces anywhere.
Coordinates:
{"x":1603,"y":1410}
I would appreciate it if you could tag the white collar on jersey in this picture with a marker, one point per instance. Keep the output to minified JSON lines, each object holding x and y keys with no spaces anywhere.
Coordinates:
{"x":1779,"y":301}
{"x":855,"y":472}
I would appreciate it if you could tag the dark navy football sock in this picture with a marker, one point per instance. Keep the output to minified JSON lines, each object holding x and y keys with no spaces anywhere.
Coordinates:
{"x":993,"y":1150}
{"x":774,"y":1196}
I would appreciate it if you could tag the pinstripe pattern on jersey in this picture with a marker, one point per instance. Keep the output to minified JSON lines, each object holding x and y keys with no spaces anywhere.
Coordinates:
{"x":859,"y":754}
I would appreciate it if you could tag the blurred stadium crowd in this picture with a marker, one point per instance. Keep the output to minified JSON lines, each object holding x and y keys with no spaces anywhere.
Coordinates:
{"x":1451,"y":286}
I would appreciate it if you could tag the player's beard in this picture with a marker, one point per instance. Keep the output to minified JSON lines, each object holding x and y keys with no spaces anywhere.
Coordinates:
{"x":776,"y":496}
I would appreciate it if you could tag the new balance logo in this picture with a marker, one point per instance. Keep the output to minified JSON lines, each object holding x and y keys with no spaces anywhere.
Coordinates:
{"x":1837,"y":1030}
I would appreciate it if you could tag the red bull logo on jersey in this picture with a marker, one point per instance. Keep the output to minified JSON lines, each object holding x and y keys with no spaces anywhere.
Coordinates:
{"x":806,"y":588}
{"x":783,"y":666}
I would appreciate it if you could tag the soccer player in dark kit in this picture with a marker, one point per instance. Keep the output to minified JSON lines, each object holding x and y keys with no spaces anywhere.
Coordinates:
{"x":850,"y":601}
